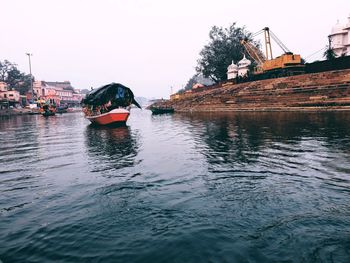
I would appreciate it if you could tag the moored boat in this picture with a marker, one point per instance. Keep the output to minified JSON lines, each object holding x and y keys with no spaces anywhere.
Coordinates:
{"x":48,"y":108}
{"x":161,"y":110}
{"x":115,"y":116}
{"x":48,"y":113}
{"x":109,"y":104}
{"x":62,"y":109}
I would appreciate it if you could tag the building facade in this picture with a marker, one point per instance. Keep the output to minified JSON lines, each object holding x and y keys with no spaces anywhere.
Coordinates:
{"x":62,"y":92}
{"x":340,"y":38}
{"x":9,"y":97}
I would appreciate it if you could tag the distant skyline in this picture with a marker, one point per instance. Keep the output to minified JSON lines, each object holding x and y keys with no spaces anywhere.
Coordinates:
{"x":150,"y":46}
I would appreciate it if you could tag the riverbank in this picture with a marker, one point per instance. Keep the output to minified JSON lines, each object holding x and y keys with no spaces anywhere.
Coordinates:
{"x":325,"y":91}
{"x":24,"y":111}
{"x":12,"y":112}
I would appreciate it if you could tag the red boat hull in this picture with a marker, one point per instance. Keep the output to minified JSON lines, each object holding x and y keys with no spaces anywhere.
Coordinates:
{"x":115,"y":116}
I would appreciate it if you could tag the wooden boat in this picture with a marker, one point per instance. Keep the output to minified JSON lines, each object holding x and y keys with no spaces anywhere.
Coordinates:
{"x":48,"y":110}
{"x":62,"y":109}
{"x":161,"y":110}
{"x":48,"y":113}
{"x":109,"y":104}
{"x":116,"y":116}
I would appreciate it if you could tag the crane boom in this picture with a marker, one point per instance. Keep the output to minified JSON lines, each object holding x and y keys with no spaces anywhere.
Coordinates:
{"x":279,"y":42}
{"x":287,"y":63}
{"x":268,"y":43}
{"x":254,"y":52}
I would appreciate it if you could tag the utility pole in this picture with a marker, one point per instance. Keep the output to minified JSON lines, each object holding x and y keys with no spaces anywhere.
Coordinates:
{"x":31,"y":77}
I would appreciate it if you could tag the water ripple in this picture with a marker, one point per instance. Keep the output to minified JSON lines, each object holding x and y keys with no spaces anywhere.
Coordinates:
{"x":253,"y":187}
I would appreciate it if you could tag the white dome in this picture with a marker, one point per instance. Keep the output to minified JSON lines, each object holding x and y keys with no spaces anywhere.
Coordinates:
{"x":232,"y":67}
{"x":337,"y":29}
{"x":244,"y":62}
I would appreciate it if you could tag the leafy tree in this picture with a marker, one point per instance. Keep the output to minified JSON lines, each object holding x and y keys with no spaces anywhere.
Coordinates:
{"x":13,"y":77}
{"x":196,"y":78}
{"x":191,"y":82}
{"x":224,"y":46}
{"x":5,"y":67}
{"x":181,"y":91}
{"x":329,"y":54}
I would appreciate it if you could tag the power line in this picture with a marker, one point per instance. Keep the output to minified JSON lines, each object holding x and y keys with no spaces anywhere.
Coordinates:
{"x":322,"y":49}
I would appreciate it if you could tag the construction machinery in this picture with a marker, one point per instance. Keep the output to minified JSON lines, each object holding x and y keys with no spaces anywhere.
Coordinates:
{"x":286,"y":64}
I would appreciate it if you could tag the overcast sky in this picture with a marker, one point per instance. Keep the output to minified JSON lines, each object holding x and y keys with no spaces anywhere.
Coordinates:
{"x":147,"y":45}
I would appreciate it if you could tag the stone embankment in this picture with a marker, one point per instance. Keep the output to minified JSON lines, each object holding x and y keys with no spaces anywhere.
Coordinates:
{"x":318,"y":91}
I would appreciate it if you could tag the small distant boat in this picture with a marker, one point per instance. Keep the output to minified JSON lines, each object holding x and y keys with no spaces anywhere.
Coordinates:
{"x":161,"y":110}
{"x":48,"y":111}
{"x":48,"y":108}
{"x":116,"y":116}
{"x":62,"y":109}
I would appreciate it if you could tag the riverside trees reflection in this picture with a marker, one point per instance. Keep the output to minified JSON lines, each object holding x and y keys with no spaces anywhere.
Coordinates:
{"x":240,"y":137}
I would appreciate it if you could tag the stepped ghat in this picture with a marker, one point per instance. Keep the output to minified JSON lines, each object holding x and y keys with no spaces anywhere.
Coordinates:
{"x":317,"y":91}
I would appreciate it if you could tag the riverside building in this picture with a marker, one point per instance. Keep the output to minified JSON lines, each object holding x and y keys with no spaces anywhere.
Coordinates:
{"x":340,"y":38}
{"x":62,"y":92}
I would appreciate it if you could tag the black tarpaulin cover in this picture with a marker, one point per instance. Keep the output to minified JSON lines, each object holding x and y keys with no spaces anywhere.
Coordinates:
{"x":116,"y":93}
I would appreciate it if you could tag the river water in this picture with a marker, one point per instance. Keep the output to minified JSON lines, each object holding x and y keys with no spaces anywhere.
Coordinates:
{"x":248,"y":187}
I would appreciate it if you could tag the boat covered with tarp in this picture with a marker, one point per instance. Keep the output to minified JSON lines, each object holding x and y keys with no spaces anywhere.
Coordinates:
{"x":109,"y":104}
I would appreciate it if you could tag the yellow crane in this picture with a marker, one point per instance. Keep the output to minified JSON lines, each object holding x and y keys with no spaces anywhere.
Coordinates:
{"x":283,"y":65}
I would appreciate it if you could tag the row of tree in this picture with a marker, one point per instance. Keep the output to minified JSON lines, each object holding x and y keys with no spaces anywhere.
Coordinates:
{"x":14,"y":78}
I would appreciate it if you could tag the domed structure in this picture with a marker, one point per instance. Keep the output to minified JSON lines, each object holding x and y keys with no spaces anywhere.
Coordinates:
{"x":232,"y":71}
{"x":340,"y":38}
{"x":337,"y":29}
{"x":243,"y":66}
{"x":347,"y":28}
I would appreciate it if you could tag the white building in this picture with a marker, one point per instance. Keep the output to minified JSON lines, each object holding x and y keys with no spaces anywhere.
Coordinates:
{"x":232,"y":71}
{"x":340,"y":38}
{"x":243,"y":67}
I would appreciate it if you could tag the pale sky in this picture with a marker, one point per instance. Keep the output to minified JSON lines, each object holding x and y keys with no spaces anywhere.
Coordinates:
{"x":147,"y":45}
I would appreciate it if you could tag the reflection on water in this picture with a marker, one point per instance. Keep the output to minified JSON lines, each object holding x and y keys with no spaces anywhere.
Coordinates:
{"x":214,"y":187}
{"x":241,"y":136}
{"x":110,"y":147}
{"x":299,"y":144}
